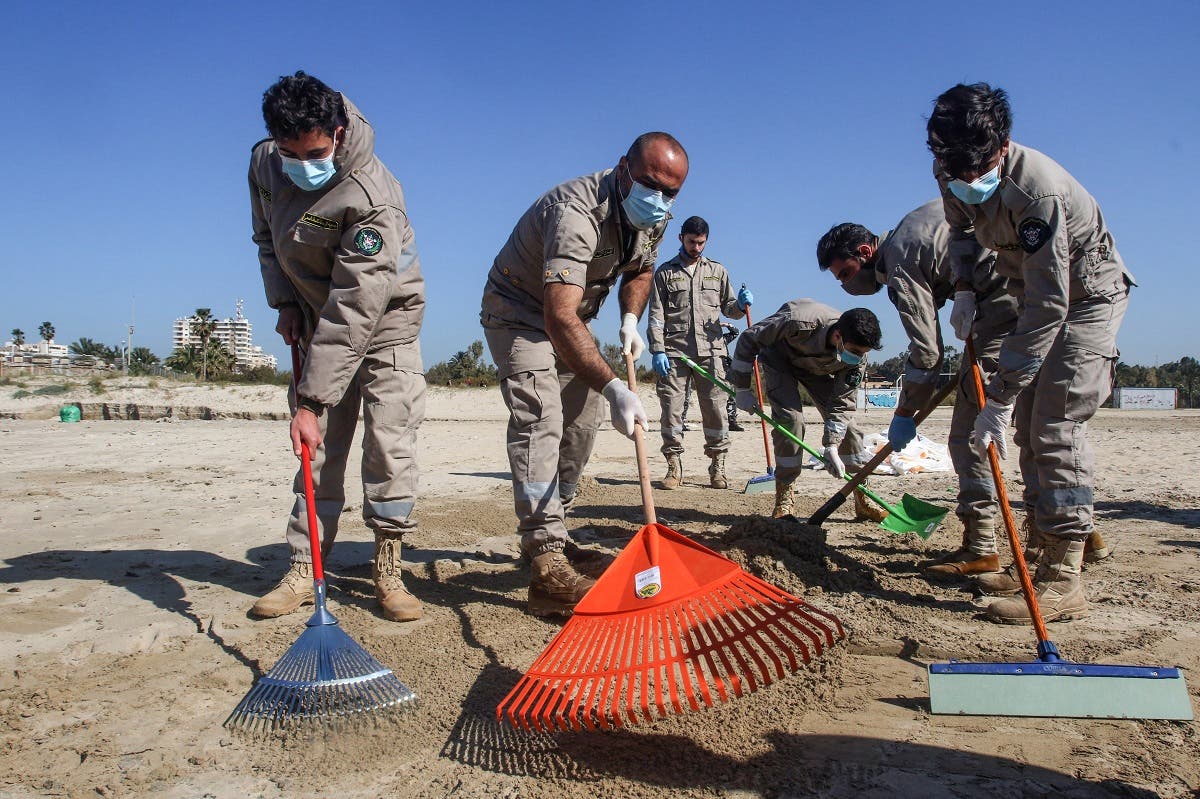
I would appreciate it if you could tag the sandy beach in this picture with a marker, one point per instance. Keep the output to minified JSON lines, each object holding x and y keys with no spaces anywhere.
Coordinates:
{"x":130,"y":551}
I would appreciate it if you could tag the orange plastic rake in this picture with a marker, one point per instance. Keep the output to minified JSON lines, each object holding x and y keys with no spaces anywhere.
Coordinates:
{"x":671,"y":625}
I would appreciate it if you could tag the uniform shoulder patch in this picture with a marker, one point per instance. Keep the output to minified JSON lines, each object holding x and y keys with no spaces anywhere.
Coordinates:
{"x":368,"y":241}
{"x":854,"y":378}
{"x":320,"y":222}
{"x":1033,"y":233}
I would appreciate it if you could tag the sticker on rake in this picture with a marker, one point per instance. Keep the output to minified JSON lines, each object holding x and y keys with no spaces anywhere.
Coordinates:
{"x":647,"y":583}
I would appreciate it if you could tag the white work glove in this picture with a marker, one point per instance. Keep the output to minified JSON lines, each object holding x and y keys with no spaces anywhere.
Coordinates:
{"x":991,"y":425}
{"x":745,"y":400}
{"x":631,"y":340}
{"x":833,"y":461}
{"x":624,"y":407}
{"x":963,"y":314}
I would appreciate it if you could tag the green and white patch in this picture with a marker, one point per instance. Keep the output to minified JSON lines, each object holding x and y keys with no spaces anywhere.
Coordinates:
{"x":368,"y":241}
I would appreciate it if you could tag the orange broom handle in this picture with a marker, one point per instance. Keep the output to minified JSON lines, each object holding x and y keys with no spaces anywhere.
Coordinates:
{"x":761,"y":404}
{"x":1010,"y":524}
{"x":643,"y":467}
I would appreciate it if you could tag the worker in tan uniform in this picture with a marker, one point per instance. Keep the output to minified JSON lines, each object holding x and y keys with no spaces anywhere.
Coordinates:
{"x":547,"y":283}
{"x":806,"y":343}
{"x":1056,"y":366}
{"x":913,"y":262}
{"x":689,"y":294}
{"x":339,"y":263}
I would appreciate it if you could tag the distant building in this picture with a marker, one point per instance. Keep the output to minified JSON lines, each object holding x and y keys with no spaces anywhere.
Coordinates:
{"x":236,"y":334}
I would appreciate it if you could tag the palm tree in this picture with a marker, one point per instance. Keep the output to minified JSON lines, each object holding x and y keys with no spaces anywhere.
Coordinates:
{"x":46,"y":330}
{"x":142,"y":361}
{"x":203,"y":326}
{"x":182,"y":360}
{"x":86,"y":346}
{"x":18,"y":336}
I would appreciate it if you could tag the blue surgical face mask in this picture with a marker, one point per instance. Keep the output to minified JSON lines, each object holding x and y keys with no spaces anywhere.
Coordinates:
{"x":848,"y":357}
{"x":978,"y":190}
{"x":645,"y":207}
{"x":310,"y":175}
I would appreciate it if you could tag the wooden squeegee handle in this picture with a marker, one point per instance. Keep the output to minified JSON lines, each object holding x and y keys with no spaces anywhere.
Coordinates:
{"x":1010,"y":524}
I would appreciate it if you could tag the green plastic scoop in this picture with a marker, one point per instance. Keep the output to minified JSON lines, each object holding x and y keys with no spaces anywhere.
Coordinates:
{"x":911,"y":515}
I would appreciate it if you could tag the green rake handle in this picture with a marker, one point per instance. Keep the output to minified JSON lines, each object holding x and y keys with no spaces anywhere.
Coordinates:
{"x":728,"y":389}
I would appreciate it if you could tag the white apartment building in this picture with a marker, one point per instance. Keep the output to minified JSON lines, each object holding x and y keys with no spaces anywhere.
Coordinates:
{"x":236,"y":334}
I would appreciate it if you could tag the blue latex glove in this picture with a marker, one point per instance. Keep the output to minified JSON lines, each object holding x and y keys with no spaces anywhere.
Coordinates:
{"x":744,"y":298}
{"x":661,"y":364}
{"x":901,"y":432}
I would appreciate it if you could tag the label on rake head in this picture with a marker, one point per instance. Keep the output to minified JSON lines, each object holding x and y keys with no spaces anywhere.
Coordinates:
{"x":647,"y":583}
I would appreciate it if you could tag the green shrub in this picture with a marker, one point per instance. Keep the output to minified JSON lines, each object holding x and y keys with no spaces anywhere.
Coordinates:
{"x":53,"y":390}
{"x":21,"y":394}
{"x":96,"y":384}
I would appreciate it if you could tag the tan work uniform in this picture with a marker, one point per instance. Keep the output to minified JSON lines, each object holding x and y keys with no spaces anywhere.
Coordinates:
{"x":914,"y":264}
{"x":576,"y":234}
{"x":346,"y":255}
{"x":793,"y":349}
{"x":1057,"y":364}
{"x":686,"y":303}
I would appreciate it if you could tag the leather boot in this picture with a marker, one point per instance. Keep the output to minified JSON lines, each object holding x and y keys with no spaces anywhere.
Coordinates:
{"x":785,"y":502}
{"x":395,"y":600}
{"x":965,"y":562}
{"x":674,"y":476}
{"x":1008,"y":582}
{"x":1057,"y":585}
{"x":716,"y":471}
{"x":865,"y":510}
{"x":555,"y":587}
{"x":1095,"y":548}
{"x":293,"y":591}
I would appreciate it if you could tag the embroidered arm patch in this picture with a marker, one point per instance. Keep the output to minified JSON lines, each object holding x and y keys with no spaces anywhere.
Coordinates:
{"x":368,"y":241}
{"x":1033,"y":234}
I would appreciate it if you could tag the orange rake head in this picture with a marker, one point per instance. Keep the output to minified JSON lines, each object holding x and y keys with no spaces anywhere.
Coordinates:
{"x":670,"y":624}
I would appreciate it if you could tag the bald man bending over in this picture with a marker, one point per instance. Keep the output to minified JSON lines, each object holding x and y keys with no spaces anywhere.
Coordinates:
{"x":546,"y":285}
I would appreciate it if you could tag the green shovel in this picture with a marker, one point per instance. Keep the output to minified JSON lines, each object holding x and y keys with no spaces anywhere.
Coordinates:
{"x":912,"y":515}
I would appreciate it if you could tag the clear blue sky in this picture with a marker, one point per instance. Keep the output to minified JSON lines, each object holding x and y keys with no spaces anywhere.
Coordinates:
{"x":130,"y":126}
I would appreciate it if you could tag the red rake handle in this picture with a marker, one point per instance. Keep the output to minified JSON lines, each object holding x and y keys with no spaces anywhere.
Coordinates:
{"x":1010,"y":524}
{"x":639,"y":444}
{"x":310,"y":501}
{"x":758,"y":387}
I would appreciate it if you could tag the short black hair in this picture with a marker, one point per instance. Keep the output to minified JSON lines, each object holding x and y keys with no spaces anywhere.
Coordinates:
{"x":842,"y":241}
{"x":860,"y":327}
{"x":694,"y":226}
{"x":969,"y":124}
{"x":638,"y":149}
{"x":297,"y":104}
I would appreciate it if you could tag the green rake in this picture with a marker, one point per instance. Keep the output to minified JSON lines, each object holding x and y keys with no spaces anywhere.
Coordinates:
{"x":911,"y":515}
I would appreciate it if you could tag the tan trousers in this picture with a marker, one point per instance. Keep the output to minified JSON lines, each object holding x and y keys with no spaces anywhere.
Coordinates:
{"x":671,"y":397}
{"x":783,"y":392}
{"x":552,"y":421}
{"x":389,"y":387}
{"x":1051,"y":417}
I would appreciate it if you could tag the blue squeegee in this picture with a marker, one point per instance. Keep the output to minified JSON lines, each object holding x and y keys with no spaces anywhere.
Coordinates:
{"x":1051,"y":686}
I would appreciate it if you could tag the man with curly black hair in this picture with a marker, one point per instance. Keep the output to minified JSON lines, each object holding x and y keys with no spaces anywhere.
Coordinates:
{"x":808,"y":344}
{"x":1056,"y":366}
{"x":339,"y":263}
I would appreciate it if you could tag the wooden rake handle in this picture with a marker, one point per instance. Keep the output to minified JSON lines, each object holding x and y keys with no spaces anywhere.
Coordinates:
{"x":833,"y":503}
{"x":758,"y":387}
{"x":1010,"y":524}
{"x":639,"y":444}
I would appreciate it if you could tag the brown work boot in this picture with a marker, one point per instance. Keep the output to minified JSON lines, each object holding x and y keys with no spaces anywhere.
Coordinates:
{"x":555,"y":587}
{"x":293,"y":591}
{"x":1095,"y":548}
{"x":964,"y":563}
{"x":785,"y":502}
{"x":1057,"y":585}
{"x":674,"y":476}
{"x":1008,"y":582}
{"x":716,"y":471}
{"x":865,"y":510}
{"x":395,"y":600}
